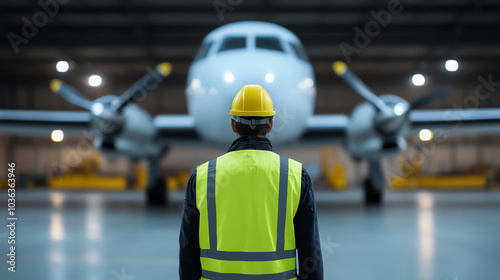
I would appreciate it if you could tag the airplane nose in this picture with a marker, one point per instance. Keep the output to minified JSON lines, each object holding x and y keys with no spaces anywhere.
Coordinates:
{"x":237,"y":79}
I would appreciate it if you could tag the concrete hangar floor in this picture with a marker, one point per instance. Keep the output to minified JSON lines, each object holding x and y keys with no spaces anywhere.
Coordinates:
{"x":109,"y":235}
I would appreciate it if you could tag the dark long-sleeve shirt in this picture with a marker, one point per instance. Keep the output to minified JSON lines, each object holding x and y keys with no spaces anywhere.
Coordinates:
{"x":307,"y":238}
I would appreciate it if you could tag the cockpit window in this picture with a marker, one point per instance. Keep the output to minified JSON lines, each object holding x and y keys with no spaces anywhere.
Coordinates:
{"x":269,"y":43}
{"x":203,"y":52}
{"x":233,"y":43}
{"x":299,"y":51}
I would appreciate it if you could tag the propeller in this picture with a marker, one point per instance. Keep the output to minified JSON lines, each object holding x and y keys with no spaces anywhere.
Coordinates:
{"x":355,"y":82}
{"x":392,"y":117}
{"x":379,"y":129}
{"x":107,"y":111}
{"x":144,"y":84}
{"x":123,"y":128}
{"x":70,"y":94}
{"x":433,"y":96}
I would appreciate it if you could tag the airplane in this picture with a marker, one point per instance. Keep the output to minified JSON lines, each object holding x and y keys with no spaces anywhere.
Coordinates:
{"x":231,"y":56}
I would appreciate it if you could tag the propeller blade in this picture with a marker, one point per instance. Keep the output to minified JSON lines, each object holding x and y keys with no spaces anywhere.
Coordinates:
{"x":70,"y":94}
{"x":389,"y":124}
{"x":143,"y":85}
{"x":431,"y":97}
{"x":341,"y":69}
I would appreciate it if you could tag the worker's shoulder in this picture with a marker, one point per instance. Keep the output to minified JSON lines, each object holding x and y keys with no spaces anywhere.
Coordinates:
{"x":295,"y":161}
{"x":206,"y":163}
{"x":298,"y":167}
{"x":295,"y":167}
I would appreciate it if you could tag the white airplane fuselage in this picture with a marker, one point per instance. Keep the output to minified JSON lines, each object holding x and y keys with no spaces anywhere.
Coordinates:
{"x":250,"y":53}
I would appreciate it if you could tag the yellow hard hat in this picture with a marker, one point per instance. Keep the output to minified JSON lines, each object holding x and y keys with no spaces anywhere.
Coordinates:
{"x":252,"y":101}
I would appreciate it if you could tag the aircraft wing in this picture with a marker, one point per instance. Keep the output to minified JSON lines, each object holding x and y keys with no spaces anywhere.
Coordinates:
{"x":42,"y":123}
{"x":177,"y":128}
{"x":457,"y":121}
{"x":329,"y":128}
{"x":332,"y":128}
{"x":33,"y":123}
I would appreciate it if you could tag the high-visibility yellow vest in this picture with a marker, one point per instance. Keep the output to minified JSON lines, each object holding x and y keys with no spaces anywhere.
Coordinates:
{"x":247,"y":200}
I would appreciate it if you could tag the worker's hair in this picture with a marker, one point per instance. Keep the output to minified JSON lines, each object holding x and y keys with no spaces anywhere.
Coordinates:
{"x":258,"y":130}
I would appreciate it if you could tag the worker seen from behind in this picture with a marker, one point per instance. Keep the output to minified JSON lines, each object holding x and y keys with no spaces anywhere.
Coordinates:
{"x":250,"y":213}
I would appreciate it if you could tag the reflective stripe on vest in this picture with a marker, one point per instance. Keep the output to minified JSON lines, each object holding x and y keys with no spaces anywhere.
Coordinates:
{"x":247,"y":201}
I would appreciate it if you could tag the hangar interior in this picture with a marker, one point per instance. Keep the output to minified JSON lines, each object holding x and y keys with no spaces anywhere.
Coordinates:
{"x":121,"y":40}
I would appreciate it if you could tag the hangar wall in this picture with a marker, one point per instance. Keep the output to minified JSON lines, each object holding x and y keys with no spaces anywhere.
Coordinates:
{"x":45,"y":158}
{"x":3,"y":156}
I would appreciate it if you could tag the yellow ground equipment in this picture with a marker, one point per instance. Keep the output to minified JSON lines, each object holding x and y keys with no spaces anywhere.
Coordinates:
{"x":178,"y":181}
{"x":479,"y":178}
{"x":334,"y":171}
{"x":141,"y":171}
{"x":86,"y":177}
{"x":87,"y":181}
{"x":173,"y":183}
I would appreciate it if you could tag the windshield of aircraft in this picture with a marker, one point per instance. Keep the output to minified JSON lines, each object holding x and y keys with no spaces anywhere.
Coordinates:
{"x":269,"y":43}
{"x":233,"y":43}
{"x":299,"y":51}
{"x":203,"y":52}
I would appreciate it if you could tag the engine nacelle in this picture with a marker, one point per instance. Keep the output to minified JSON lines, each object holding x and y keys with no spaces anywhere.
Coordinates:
{"x":130,"y":132}
{"x":365,"y":140}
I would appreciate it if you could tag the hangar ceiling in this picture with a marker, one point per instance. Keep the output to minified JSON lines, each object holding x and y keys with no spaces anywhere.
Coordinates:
{"x":121,"y":38}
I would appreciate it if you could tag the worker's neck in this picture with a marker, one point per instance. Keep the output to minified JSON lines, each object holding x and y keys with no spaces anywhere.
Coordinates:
{"x":238,"y":135}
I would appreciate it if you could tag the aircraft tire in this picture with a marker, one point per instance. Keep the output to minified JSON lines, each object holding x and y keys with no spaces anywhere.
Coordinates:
{"x":157,"y":195}
{"x":373,"y":195}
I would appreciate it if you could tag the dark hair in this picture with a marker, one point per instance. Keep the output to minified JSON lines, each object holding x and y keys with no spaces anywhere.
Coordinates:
{"x":258,"y":130}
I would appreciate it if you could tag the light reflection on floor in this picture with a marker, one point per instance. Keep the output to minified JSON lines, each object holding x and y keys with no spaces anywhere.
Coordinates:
{"x":426,"y":234}
{"x":111,"y":235}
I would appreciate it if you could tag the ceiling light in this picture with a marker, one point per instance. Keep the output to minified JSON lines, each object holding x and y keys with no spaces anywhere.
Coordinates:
{"x":425,"y":135}
{"x":451,"y":65}
{"x":57,"y":135}
{"x":95,"y":80}
{"x":62,"y":66}
{"x":418,"y":80}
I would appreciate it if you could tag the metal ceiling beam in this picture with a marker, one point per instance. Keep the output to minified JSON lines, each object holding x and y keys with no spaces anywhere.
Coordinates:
{"x":269,"y":8}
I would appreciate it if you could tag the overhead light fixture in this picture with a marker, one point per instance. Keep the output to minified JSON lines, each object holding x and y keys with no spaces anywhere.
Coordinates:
{"x":418,"y":80}
{"x":62,"y":66}
{"x":57,"y":135}
{"x":229,"y":78}
{"x":425,"y":135}
{"x":95,"y":80}
{"x":451,"y":65}
{"x":269,"y":77}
